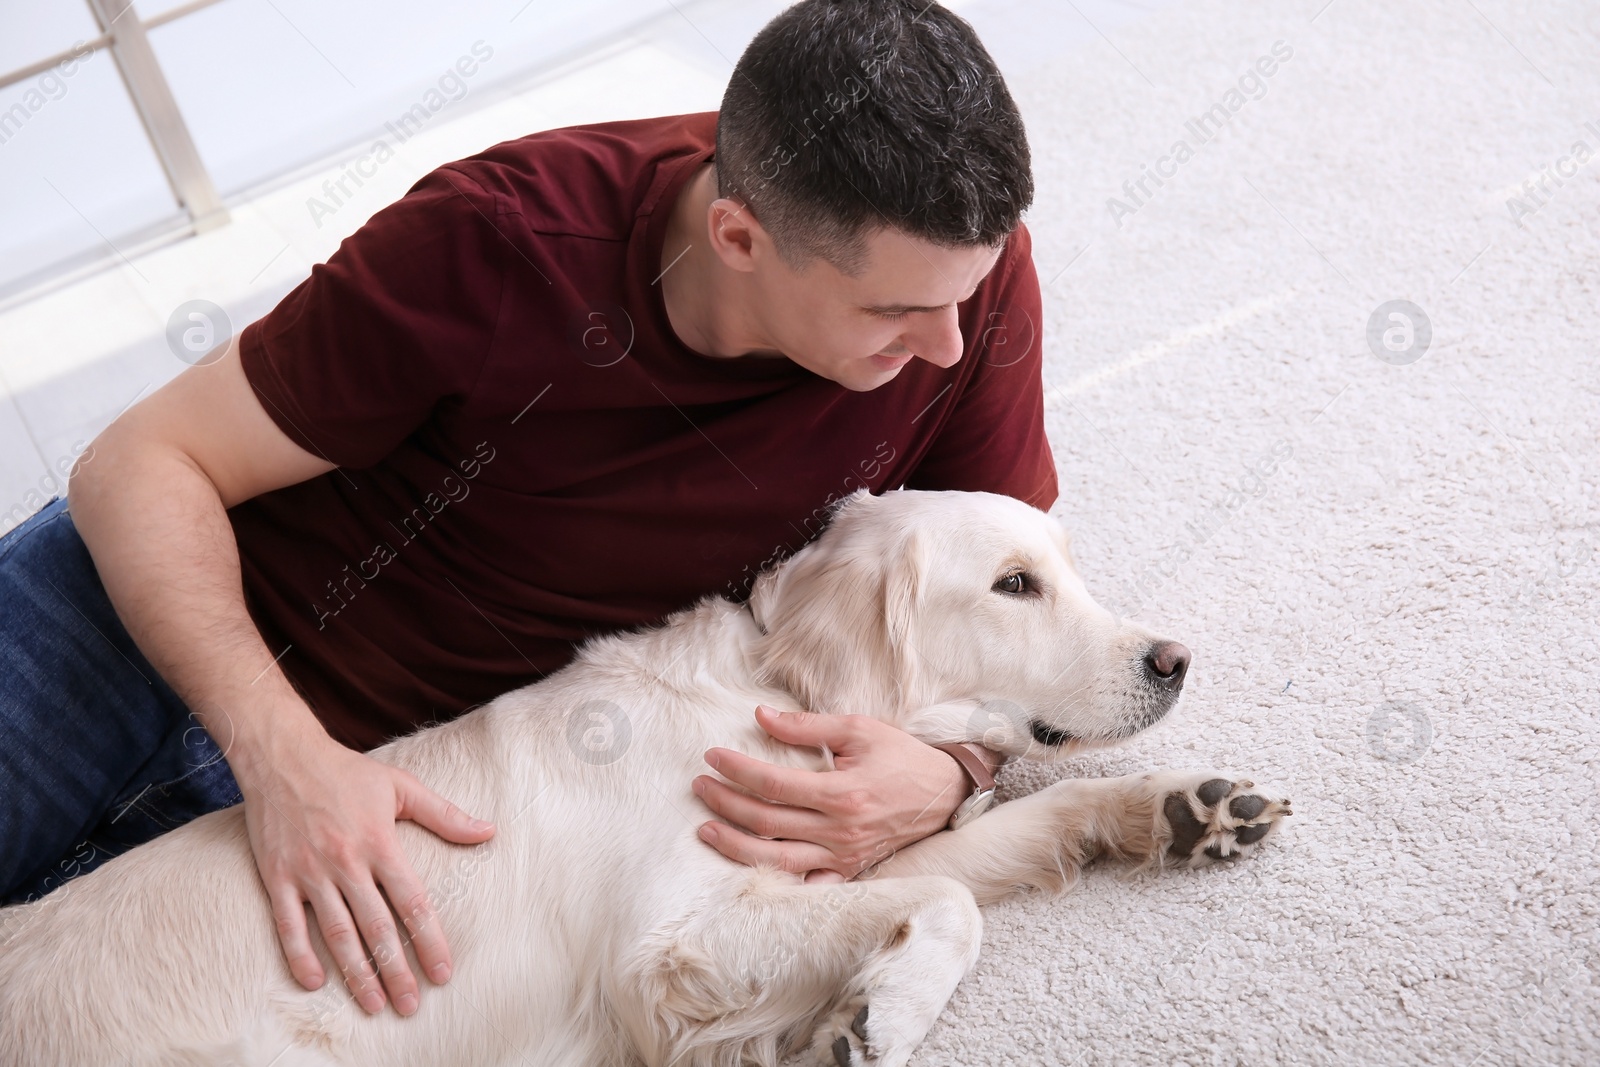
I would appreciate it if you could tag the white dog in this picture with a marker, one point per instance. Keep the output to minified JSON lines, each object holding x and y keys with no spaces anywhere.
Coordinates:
{"x":596,"y":927}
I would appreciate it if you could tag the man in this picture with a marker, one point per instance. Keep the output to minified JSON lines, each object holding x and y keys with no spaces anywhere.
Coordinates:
{"x":563,"y":387}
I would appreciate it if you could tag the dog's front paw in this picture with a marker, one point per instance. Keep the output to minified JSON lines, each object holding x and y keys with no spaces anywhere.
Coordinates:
{"x":1211,"y":818}
{"x":841,"y":1041}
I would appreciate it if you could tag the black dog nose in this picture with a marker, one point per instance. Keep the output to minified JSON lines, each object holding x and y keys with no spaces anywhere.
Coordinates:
{"x":1166,"y":663}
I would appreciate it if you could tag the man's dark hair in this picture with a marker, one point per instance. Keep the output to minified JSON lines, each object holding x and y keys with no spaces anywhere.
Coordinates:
{"x":846,"y":115}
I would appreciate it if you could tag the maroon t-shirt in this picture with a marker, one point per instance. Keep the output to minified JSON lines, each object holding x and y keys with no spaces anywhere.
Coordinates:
{"x":528,"y":454}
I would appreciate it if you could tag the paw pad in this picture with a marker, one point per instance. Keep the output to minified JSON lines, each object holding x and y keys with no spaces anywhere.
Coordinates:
{"x":1204,"y":828}
{"x":843,"y":1051}
{"x":849,"y":1047}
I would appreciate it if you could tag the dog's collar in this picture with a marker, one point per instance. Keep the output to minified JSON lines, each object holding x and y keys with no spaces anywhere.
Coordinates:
{"x":753,"y":618}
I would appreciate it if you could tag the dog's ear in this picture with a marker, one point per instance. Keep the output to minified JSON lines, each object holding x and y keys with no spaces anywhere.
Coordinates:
{"x":825,"y":635}
{"x":769,"y":586}
{"x":838,"y":616}
{"x":904,"y":580}
{"x":902,"y":588}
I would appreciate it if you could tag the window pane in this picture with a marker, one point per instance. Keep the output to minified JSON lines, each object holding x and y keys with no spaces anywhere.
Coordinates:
{"x":267,"y":87}
{"x":76,"y":169}
{"x":30,"y":30}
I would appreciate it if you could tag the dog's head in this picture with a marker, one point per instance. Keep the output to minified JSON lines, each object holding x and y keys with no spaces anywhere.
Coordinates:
{"x":914,"y":599}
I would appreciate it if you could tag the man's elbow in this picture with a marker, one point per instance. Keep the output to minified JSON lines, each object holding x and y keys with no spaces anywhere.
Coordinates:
{"x":79,"y":472}
{"x":115,"y":462}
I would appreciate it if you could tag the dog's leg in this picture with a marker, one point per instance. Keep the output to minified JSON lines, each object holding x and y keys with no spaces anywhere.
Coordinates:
{"x":1181,"y":818}
{"x":752,"y":972}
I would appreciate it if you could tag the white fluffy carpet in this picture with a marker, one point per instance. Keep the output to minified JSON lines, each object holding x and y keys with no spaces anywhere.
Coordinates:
{"x":1398,"y":623}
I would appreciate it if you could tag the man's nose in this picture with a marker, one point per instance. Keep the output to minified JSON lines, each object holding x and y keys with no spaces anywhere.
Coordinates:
{"x":936,"y":337}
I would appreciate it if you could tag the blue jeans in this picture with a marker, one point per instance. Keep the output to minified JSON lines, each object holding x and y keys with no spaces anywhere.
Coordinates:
{"x":97,"y":753}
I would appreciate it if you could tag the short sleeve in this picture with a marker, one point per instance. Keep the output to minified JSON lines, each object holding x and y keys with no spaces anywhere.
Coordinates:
{"x":994,"y":440}
{"x":401,"y":317}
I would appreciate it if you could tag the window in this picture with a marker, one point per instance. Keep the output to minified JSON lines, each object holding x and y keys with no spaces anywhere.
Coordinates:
{"x":128,"y":123}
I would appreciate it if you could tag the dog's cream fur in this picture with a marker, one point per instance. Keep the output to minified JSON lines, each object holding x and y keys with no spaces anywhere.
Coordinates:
{"x":595,"y":927}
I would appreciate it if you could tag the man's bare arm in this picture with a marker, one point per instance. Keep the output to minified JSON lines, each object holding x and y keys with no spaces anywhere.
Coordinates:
{"x":150,"y":502}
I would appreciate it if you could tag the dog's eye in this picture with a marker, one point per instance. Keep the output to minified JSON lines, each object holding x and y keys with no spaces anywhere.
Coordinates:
{"x":1015,"y":584}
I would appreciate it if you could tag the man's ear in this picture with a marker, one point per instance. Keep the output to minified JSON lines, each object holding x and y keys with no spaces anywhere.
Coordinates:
{"x":734,"y":232}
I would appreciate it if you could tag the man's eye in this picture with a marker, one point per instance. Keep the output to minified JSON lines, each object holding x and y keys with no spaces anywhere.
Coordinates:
{"x":890,"y":316}
{"x":1014,"y":584}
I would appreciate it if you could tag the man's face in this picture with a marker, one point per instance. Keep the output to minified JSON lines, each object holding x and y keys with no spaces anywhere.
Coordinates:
{"x":860,"y":330}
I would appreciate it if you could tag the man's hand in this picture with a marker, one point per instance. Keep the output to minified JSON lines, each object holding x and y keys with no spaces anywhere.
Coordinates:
{"x":887,"y":790}
{"x":322,"y":825}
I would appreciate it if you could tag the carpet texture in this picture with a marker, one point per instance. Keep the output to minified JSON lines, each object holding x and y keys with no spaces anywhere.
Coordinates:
{"x":1386,"y":567}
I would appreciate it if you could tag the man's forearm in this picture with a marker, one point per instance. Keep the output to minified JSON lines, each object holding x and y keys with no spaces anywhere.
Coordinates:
{"x":161,"y":540}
